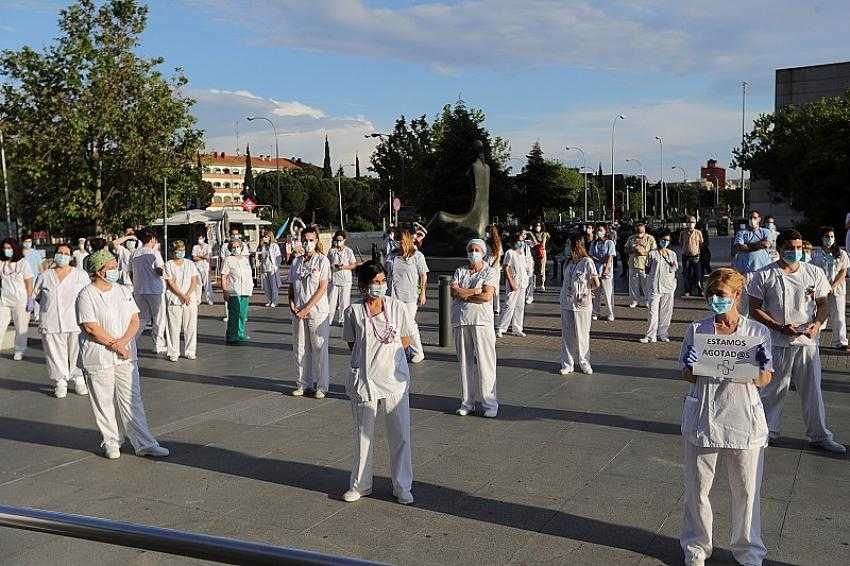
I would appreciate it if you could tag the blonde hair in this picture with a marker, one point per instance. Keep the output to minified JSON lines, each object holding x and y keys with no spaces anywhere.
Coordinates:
{"x":406,"y":243}
{"x":726,"y":277}
{"x":178,"y":245}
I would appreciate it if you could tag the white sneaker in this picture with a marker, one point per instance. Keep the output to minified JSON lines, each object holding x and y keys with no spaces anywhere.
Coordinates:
{"x":273,"y":306}
{"x":267,"y":305}
{"x":80,"y":387}
{"x":491,"y":413}
{"x":298,"y":392}
{"x":61,"y":390}
{"x":565,"y":371}
{"x":664,"y":339}
{"x":499,"y":334}
{"x":191,"y":357}
{"x":173,"y":358}
{"x":153,"y":451}
{"x":417,"y":359}
{"x":519,"y":333}
{"x":405,"y":499}
{"x":462,"y":412}
{"x":830,"y":446}
{"x":319,"y":394}
{"x":610,"y":317}
{"x":646,"y":340}
{"x":18,"y":356}
{"x":353,"y":495}
{"x":529,"y":301}
{"x":112,"y":451}
{"x":585,"y":368}
{"x":224,"y":319}
{"x":633,"y":305}
{"x":594,"y":317}
{"x":210,"y":303}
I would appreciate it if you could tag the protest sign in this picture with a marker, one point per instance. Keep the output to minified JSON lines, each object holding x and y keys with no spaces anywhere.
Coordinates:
{"x":729,"y":357}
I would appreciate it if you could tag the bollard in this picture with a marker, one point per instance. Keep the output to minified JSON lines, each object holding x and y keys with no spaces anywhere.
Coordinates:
{"x":445,"y":310}
{"x":558,"y":268}
{"x":374,"y":252}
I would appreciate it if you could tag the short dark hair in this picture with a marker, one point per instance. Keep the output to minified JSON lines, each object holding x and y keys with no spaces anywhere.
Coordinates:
{"x":750,"y":213}
{"x":311,"y":229}
{"x":97,"y":244}
{"x":146,"y":236}
{"x":640,"y":223}
{"x":786,"y":236}
{"x":367,"y":272}
{"x":339,"y":233}
{"x":63,"y":245}
{"x":17,"y":252}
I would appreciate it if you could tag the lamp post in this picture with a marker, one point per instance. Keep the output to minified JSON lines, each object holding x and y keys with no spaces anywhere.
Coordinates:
{"x":276,"y":157}
{"x":5,"y":186}
{"x":642,"y":183}
{"x":613,"y":201}
{"x":584,"y":170}
{"x":744,"y":85}
{"x":684,"y":182}
{"x":661,"y":182}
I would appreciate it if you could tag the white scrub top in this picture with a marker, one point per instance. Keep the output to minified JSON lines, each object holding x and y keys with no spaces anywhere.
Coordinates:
{"x":599,"y":251}
{"x":305,"y":275}
{"x":662,"y":272}
{"x":269,"y":257}
{"x":58,"y":300}
{"x":831,"y":265}
{"x":720,"y":413}
{"x":125,"y":257}
{"x":13,"y":292}
{"x":79,"y":256}
{"x":516,"y":261}
{"x":145,"y":279}
{"x":791,"y":298}
{"x":406,"y":272}
{"x":465,"y":313}
{"x":343,"y":256}
{"x":379,"y":371}
{"x":240,"y":280}
{"x":202,"y":250}
{"x":182,"y":276}
{"x":112,"y":310}
{"x":575,"y":289}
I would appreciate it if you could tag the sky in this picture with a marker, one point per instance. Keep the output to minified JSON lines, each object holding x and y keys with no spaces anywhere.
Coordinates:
{"x":553,"y":71}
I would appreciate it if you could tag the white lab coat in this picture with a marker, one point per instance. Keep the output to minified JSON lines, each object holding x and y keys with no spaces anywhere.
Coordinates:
{"x":661,"y":291}
{"x":182,"y":317}
{"x":379,"y":376}
{"x":203,"y":251}
{"x":149,"y":291}
{"x":791,"y":299}
{"x":269,"y":258}
{"x":311,"y":334}
{"x":837,"y":298}
{"x":599,"y":251}
{"x":13,"y":300}
{"x":514,"y":313}
{"x":406,"y":273}
{"x":723,"y":419}
{"x":60,"y":333}
{"x":339,"y":287}
{"x":576,"y":300}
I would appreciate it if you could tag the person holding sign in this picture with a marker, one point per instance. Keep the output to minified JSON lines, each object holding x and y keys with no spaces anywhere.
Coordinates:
{"x":661,"y":289}
{"x":790,"y":298}
{"x":723,"y":417}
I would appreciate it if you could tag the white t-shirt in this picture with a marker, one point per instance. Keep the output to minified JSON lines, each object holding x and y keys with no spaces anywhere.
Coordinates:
{"x":240,"y":280}
{"x":406,"y":272}
{"x":661,"y":272}
{"x":182,"y":276}
{"x":575,"y":289}
{"x":831,"y":265}
{"x":515,"y":260}
{"x":79,"y":256}
{"x":125,"y":256}
{"x":465,"y":313}
{"x":145,"y":279}
{"x":112,"y":310}
{"x":720,"y":413}
{"x":379,"y":371}
{"x":343,"y":256}
{"x":305,"y":275}
{"x":58,"y":300}
{"x":12,"y":275}
{"x":790,"y":298}
{"x":202,"y":250}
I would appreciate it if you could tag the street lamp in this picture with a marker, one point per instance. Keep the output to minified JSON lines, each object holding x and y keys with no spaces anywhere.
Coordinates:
{"x":613,"y":201}
{"x":661,"y":182}
{"x":276,"y":157}
{"x":684,"y":182}
{"x":744,"y":85}
{"x":401,"y":184}
{"x":642,"y":183}
{"x":584,"y":169}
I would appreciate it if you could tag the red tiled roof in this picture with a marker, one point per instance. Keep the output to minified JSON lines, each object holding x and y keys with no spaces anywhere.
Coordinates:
{"x":263,"y":161}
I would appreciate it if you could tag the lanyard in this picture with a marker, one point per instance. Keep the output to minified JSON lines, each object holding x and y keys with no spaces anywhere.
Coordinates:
{"x":387,"y":335}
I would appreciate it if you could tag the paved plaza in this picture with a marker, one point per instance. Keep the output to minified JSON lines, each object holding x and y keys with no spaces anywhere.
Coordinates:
{"x":576,"y":470}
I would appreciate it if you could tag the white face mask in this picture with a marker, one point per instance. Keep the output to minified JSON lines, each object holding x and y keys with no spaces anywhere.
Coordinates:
{"x":376,"y":290}
{"x":600,"y":235}
{"x":828,"y":241}
{"x":309,"y":246}
{"x":474,"y":257}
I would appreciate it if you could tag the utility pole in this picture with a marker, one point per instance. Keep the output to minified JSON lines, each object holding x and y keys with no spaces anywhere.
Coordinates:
{"x":165,"y":216}
{"x":744,"y":85}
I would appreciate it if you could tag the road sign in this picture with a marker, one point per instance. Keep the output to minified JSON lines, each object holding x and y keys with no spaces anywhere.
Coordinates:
{"x":249,"y":204}
{"x":396,"y":204}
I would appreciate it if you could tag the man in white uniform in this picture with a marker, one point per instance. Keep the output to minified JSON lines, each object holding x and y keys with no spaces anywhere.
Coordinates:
{"x":201,"y":253}
{"x":517,"y":280}
{"x":473,"y":288}
{"x":790,"y":298}
{"x":149,"y":288}
{"x":80,"y":253}
{"x":342,"y":261}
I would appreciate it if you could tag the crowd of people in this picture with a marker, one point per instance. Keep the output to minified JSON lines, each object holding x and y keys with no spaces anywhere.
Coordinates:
{"x":94,"y":301}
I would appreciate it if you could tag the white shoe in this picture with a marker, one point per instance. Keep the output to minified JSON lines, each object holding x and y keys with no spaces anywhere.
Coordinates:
{"x":594,"y":317}
{"x":491,"y":414}
{"x":664,"y":339}
{"x":543,"y":287}
{"x":112,"y":451}
{"x":18,"y":356}
{"x":529,"y":301}
{"x":173,"y":358}
{"x":210,"y":303}
{"x":610,"y":318}
{"x":353,"y":495}
{"x":273,"y":306}
{"x":499,"y":334}
{"x":191,"y":357}
{"x":80,"y":387}
{"x":319,"y":394}
{"x":406,"y":499}
{"x":462,"y":412}
{"x":156,"y":451}
{"x":565,"y":371}
{"x":633,"y":305}
{"x":224,"y":319}
{"x":298,"y":392}
{"x":267,"y":305}
{"x":585,"y":368}
{"x":61,"y":390}
{"x":646,"y":340}
{"x":830,"y":446}
{"x":519,"y":333}
{"x":417,"y":359}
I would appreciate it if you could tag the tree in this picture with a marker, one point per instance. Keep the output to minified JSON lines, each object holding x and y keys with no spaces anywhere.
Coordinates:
{"x":327,"y":171}
{"x":356,"y":166}
{"x":97,"y":128}
{"x":340,"y":172}
{"x":248,"y":182}
{"x":547,"y":184}
{"x":293,"y":194}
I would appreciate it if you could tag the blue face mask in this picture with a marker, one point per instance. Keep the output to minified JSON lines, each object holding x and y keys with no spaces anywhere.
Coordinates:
{"x":792,"y":256}
{"x":8,"y":252}
{"x":180,"y":254}
{"x":663,"y":244}
{"x":474,"y":257}
{"x":112,"y":275}
{"x":720,"y":305}
{"x":62,"y":260}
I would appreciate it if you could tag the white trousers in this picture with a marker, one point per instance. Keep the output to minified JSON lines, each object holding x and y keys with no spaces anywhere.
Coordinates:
{"x":310,"y":338}
{"x":21,"y":319}
{"x":476,"y":354}
{"x":637,"y":285}
{"x":206,"y":281}
{"x":152,"y":310}
{"x":529,"y":290}
{"x":838,"y":318}
{"x":514,"y":313}
{"x":497,"y":305}
{"x":744,"y":469}
{"x":339,"y":299}
{"x":62,"y":352}
{"x":415,"y":337}
{"x":605,"y":292}
{"x":182,"y":318}
{"x":271,"y":287}
{"x":118,"y":388}
{"x":397,"y":419}
{"x":803,"y":362}
{"x":575,"y":338}
{"x":660,"y":315}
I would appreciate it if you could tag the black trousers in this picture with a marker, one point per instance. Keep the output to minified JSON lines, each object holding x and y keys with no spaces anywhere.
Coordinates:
{"x":693,"y":275}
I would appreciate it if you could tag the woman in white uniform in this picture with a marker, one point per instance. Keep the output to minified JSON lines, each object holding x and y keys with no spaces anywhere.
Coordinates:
{"x":309,"y":275}
{"x":269,"y":259}
{"x":579,"y":281}
{"x":409,"y":285}
{"x":109,"y":319}
{"x":662,"y":266}
{"x":722,"y":418}
{"x":342,"y":261}
{"x":834,"y":262}
{"x":81,"y":253}
{"x":237,"y":285}
{"x":377,"y":330}
{"x":529,"y":263}
{"x":472,"y":290}
{"x":517,"y":279}
{"x":603,"y":251}
{"x":182,"y":295}
{"x":16,"y":302}
{"x":57,"y":291}
{"x":201,"y":253}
